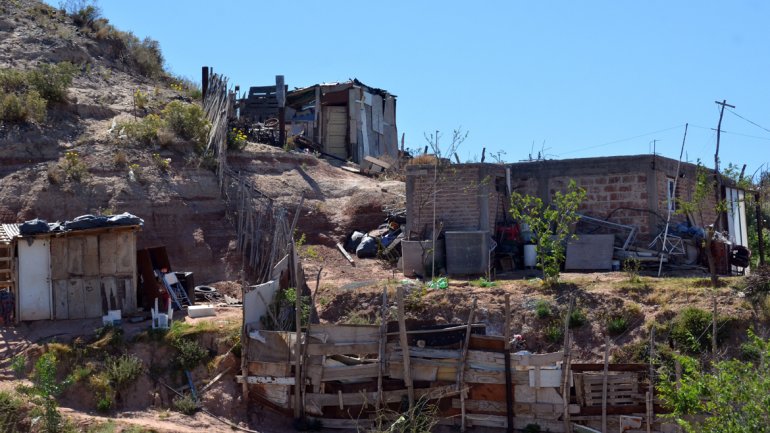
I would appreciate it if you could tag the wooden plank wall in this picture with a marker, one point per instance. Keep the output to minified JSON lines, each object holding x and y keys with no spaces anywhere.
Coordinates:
{"x":342,"y":367}
{"x":92,"y":273}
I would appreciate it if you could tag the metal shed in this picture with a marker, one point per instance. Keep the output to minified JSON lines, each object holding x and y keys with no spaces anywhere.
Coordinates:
{"x":76,"y":274}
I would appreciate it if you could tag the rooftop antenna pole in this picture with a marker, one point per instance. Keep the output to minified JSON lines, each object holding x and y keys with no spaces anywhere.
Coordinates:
{"x":670,"y":205}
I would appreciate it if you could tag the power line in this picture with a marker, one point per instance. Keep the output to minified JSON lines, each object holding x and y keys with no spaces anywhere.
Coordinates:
{"x":733,"y":133}
{"x":622,"y":140}
{"x":750,"y":121}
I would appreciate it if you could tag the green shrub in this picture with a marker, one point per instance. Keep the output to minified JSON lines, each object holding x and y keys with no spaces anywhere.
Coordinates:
{"x":185,"y":404}
{"x":13,"y":80}
{"x":28,"y":106}
{"x":104,"y":403}
{"x":542,"y":309}
{"x":554,"y":333}
{"x":123,"y":370}
{"x":483,"y":282}
{"x":188,"y":121}
{"x":147,"y":57}
{"x":145,"y":130}
{"x":191,"y":354}
{"x":52,"y":81}
{"x":140,"y":99}
{"x":236,"y":139}
{"x":160,"y":162}
{"x":691,"y":330}
{"x":617,"y":325}
{"x":19,"y":364}
{"x":577,"y":318}
{"x":11,"y":412}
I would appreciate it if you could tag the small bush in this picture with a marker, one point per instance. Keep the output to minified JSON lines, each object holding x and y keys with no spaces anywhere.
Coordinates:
{"x":191,"y":354}
{"x":19,"y":365}
{"x":577,"y":318}
{"x":631,"y":267}
{"x":145,"y":130}
{"x":236,"y":139}
{"x":123,"y":370}
{"x":11,"y":412}
{"x":52,"y":81}
{"x":542,"y":309}
{"x":185,"y":405}
{"x":554,"y":333}
{"x":160,"y":162}
{"x":140,"y":99}
{"x":28,"y":106}
{"x":483,"y":282}
{"x":104,"y":403}
{"x":691,"y":330}
{"x":120,"y":159}
{"x":617,"y":325}
{"x":188,"y":121}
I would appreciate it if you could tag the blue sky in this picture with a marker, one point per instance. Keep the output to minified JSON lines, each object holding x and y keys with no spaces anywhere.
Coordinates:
{"x":568,"y":78}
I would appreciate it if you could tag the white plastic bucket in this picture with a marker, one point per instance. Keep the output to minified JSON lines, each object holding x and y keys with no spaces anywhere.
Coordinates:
{"x":530,"y":256}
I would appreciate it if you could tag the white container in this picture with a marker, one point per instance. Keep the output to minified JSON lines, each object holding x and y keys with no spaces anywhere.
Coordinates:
{"x":201,"y":311}
{"x":530,"y":256}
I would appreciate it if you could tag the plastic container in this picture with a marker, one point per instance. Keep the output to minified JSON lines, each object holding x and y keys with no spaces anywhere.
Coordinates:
{"x":530,"y":256}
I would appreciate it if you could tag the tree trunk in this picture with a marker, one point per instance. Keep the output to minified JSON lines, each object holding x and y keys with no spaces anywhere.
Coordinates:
{"x":710,"y":257}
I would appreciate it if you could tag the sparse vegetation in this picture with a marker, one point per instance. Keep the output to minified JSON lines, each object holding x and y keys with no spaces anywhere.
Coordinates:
{"x":190,"y":353}
{"x":542,"y":309}
{"x":185,"y":405}
{"x":550,"y":225}
{"x":617,"y":325}
{"x":236,"y":139}
{"x":554,"y":332}
{"x":24,"y":95}
{"x":631,"y":267}
{"x":691,"y":330}
{"x":188,"y":121}
{"x":577,"y":318}
{"x":123,"y":370}
{"x":161,"y":163}
{"x":483,"y":282}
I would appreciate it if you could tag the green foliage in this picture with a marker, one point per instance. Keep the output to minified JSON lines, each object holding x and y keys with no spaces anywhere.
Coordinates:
{"x":145,"y":130}
{"x":631,"y":267}
{"x":187,"y":87}
{"x":542,"y":309}
{"x":72,"y":167}
{"x":731,"y":398}
{"x":28,"y":106}
{"x":550,"y":225}
{"x":188,"y":121}
{"x":11,"y":411}
{"x":185,"y":405}
{"x":577,"y":318}
{"x":19,"y":364}
{"x":104,"y":403}
{"x":236,"y":139}
{"x":757,"y":284}
{"x":691,"y":330}
{"x":160,"y":162}
{"x":52,"y":81}
{"x":140,"y":99}
{"x":46,"y":388}
{"x":617,"y":325}
{"x":123,"y":370}
{"x":483,"y":282}
{"x":190,"y":353}
{"x":554,"y":332}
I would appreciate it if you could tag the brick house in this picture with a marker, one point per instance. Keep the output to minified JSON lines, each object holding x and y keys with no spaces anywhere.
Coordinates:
{"x":630,"y":190}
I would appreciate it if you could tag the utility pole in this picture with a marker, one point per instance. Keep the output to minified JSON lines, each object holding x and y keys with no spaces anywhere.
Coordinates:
{"x":718,"y":189}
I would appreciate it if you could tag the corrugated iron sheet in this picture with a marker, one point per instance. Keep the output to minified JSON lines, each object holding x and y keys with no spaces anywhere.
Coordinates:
{"x":8,"y":232}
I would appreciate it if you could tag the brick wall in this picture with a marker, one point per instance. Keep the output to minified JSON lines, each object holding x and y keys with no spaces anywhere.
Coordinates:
{"x":467,"y":197}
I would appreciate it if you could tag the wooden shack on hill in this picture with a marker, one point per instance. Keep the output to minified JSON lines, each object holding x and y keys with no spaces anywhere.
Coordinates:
{"x":73,"y":274}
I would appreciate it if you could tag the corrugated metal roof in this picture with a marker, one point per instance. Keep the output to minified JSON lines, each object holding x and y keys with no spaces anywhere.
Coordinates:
{"x":8,"y":232}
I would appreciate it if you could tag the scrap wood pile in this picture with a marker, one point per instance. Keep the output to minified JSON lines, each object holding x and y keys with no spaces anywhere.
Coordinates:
{"x":350,"y":374}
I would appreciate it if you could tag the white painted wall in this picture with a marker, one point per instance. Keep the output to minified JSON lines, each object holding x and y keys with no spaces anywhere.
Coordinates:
{"x":34,"y":279}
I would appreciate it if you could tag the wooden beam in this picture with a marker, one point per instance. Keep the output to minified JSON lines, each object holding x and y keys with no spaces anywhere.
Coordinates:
{"x":461,"y":368}
{"x":368,"y":398}
{"x":345,"y":253}
{"x":342,"y":348}
{"x":383,"y":344}
{"x":607,"y":342}
{"x":508,"y":379}
{"x":267,"y":380}
{"x":405,"y":346}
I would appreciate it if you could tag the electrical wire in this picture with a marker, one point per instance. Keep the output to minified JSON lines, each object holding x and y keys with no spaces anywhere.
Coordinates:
{"x":621,"y":140}
{"x":750,"y":121}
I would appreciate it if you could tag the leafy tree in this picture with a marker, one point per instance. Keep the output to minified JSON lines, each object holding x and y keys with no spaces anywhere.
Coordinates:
{"x":550,"y":225}
{"x":732,"y":398}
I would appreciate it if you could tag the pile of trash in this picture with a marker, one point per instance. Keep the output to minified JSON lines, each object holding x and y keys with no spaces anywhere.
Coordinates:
{"x":384,"y":241}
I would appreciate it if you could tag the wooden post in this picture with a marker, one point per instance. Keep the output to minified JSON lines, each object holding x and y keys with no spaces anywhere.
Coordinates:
{"x":298,"y":409}
{"x":714,"y":328}
{"x":244,"y":344}
{"x":204,"y":82}
{"x":507,"y":357}
{"x":678,"y":372}
{"x":461,"y":367}
{"x":565,"y":388}
{"x":404,"y":346}
{"x":383,"y":343}
{"x":651,"y":391}
{"x":607,"y":343}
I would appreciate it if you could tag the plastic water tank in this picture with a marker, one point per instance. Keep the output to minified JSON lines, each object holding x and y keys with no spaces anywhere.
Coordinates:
{"x":530,"y":256}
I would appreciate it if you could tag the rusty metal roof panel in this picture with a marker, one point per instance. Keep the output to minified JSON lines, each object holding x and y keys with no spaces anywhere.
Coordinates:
{"x":9,"y":232}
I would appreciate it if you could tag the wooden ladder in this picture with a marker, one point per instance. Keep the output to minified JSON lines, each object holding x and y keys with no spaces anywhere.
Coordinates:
{"x":7,"y":277}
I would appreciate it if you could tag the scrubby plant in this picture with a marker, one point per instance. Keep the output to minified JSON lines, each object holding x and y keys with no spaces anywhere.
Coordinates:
{"x":483,"y":282}
{"x":123,"y":370}
{"x":631,"y":267}
{"x":236,"y":139}
{"x":163,"y":164}
{"x":577,"y":318}
{"x":45,"y":388}
{"x":140,"y":99}
{"x":554,"y":332}
{"x":617,"y":325}
{"x":188,"y":121}
{"x":691,"y":330}
{"x":542,"y":309}
{"x":144,"y":130}
{"x":19,"y":364}
{"x":52,"y":81}
{"x":11,"y":412}
{"x":74,"y":168}
{"x":190,"y":354}
{"x":185,"y":405}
